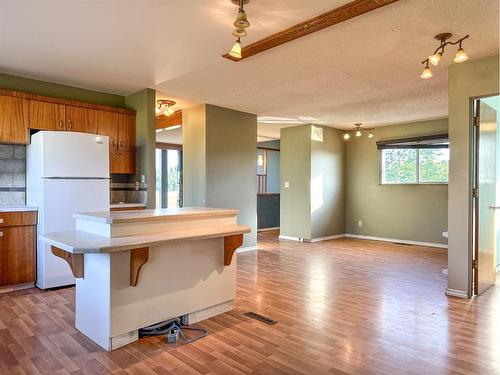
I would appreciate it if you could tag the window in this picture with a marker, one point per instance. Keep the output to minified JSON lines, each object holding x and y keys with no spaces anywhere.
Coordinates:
{"x":415,"y":165}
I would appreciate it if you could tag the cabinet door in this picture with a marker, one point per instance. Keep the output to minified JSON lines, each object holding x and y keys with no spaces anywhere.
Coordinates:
{"x":107,"y":124}
{"x":79,"y":119}
{"x":122,"y":162}
{"x":17,"y":255}
{"x":46,"y":116}
{"x":13,"y":120}
{"x":127,"y":132}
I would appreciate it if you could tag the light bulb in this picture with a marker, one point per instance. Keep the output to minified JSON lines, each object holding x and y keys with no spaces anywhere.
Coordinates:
{"x":436,"y":58}
{"x":370,"y":134}
{"x":346,"y":136}
{"x":427,"y":73}
{"x":236,"y":50}
{"x":158,"y":111}
{"x":358,"y":133}
{"x":461,"y":56}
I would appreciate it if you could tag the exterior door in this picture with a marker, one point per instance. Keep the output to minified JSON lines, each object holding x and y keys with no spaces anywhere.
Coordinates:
{"x":485,"y":203}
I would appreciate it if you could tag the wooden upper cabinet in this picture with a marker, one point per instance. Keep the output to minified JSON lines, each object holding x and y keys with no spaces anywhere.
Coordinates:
{"x":14,"y":120}
{"x":80,"y":119}
{"x":126,"y":135}
{"x":107,"y":124}
{"x":47,"y":116}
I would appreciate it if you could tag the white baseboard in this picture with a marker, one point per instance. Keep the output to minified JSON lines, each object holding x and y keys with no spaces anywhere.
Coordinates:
{"x":123,"y":339}
{"x":429,"y":244}
{"x":247,"y":248}
{"x":267,"y":229}
{"x":326,"y":238}
{"x":456,"y":293}
{"x":289,"y":238}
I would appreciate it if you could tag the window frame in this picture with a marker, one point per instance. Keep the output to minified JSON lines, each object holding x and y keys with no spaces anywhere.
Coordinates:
{"x":418,"y":182}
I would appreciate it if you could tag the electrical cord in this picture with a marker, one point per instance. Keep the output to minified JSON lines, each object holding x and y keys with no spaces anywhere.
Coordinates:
{"x":204,"y":332}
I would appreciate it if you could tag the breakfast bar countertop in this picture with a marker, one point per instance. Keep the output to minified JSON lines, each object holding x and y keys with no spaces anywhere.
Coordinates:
{"x":20,"y":208}
{"x":161,"y":214}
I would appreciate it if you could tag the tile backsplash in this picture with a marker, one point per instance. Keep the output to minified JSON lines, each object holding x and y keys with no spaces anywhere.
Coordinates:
{"x":123,"y":191}
{"x":12,"y":175}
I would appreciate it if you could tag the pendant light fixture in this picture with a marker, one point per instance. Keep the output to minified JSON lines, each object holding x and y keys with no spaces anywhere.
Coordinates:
{"x":370,"y":134}
{"x":346,"y":135}
{"x":241,"y":24}
{"x":436,"y":57}
{"x":164,"y":107}
{"x":358,"y":129}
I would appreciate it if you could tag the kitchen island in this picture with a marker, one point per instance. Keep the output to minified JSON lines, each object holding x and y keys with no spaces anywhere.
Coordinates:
{"x":137,"y":268}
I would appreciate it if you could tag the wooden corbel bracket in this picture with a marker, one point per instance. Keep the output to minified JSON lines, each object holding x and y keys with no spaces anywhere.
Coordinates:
{"x":138,"y":257}
{"x":231,"y":243}
{"x":75,"y":261}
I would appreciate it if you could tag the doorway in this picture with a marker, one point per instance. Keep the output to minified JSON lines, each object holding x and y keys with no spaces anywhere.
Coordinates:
{"x":486,"y":193}
{"x":168,"y":176}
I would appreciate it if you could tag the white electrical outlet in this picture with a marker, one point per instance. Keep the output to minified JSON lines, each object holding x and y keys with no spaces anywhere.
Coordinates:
{"x":360,"y":223}
{"x":287,"y":184}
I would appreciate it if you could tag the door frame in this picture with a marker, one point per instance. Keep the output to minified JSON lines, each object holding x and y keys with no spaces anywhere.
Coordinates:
{"x":474,"y":208}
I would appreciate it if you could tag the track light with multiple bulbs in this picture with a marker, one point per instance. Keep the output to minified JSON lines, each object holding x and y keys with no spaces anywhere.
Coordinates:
{"x":436,"y":57}
{"x":164,"y":107}
{"x":241,"y":24}
{"x":358,"y":132}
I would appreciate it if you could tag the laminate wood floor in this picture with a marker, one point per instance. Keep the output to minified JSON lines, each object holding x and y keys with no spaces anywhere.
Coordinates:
{"x":344,"y":306}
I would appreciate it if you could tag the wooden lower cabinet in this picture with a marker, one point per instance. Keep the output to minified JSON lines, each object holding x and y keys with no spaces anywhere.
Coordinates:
{"x":17,"y":254}
{"x":122,"y":162}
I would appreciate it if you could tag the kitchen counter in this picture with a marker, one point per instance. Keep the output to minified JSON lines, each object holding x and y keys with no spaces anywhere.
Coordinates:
{"x":137,"y":268}
{"x":18,"y":208}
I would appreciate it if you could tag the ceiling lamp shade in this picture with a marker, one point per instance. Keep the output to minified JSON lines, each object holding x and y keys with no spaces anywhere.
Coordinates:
{"x":436,"y":57}
{"x":370,"y":134}
{"x":239,"y":33}
{"x":346,"y":136}
{"x":426,"y":73}
{"x":461,"y":56}
{"x":236,"y":50}
{"x":241,"y":20}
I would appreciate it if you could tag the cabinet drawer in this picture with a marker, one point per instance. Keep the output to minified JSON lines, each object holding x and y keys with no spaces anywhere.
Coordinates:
{"x":12,"y":219}
{"x":17,"y":255}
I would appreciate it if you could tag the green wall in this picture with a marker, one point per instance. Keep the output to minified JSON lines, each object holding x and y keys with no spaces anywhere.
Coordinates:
{"x":295,"y":168}
{"x":313,"y":206}
{"x":403,"y":212}
{"x":219,"y":146}
{"x":467,"y":80}
{"x":34,"y":86}
{"x":144,"y":103}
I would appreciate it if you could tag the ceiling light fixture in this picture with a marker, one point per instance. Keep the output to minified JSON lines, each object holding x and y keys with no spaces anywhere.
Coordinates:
{"x":164,"y":107}
{"x":358,"y":131}
{"x":241,"y":24}
{"x":436,"y":57}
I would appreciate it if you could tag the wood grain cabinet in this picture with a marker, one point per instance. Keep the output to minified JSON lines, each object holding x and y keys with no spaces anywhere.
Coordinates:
{"x":17,"y":249}
{"x":47,"y":116}
{"x":80,"y":119}
{"x":120,"y":128}
{"x":13,"y":120}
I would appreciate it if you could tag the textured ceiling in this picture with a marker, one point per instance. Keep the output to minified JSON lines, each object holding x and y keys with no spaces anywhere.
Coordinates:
{"x":363,"y":70}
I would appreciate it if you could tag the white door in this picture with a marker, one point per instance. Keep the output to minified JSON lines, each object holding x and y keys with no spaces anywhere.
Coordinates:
{"x":74,"y":155}
{"x":61,"y":200}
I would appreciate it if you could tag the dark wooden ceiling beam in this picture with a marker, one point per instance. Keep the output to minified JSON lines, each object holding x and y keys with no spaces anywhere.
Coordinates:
{"x":174,"y":119}
{"x":333,"y":17}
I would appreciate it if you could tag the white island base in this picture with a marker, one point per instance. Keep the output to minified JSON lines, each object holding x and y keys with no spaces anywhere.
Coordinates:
{"x":179,"y":264}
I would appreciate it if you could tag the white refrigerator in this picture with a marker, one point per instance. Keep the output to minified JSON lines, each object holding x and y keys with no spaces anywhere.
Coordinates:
{"x":67,"y":173}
